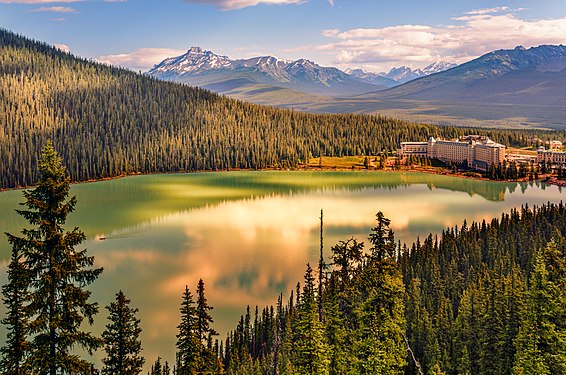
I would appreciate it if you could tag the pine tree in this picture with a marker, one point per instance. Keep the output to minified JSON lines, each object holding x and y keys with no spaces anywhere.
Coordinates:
{"x":58,"y":273}
{"x":310,"y":347}
{"x":541,"y":342}
{"x":381,"y":237}
{"x":208,"y":359}
{"x":189,"y":347}
{"x":379,"y":346}
{"x":158,"y":369}
{"x":121,"y":339}
{"x":203,"y":317}
{"x":15,"y":294}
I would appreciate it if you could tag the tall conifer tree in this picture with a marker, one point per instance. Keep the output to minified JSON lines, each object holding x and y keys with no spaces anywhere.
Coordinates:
{"x":121,"y":339}
{"x":15,"y":294}
{"x":58,"y":274}
{"x":310,"y":347}
{"x":189,"y":347}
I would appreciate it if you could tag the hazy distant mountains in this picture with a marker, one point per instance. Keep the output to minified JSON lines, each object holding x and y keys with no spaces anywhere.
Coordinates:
{"x":267,"y":74}
{"x":518,"y":87}
{"x":221,"y":74}
{"x":529,"y":76}
{"x":397,"y":76}
{"x":505,"y":87}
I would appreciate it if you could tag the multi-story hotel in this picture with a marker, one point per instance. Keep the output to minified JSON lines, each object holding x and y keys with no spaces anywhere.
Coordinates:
{"x":555,"y":157}
{"x":477,"y":152}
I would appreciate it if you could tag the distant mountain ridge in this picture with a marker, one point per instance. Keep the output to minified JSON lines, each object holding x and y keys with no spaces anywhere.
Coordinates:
{"x":504,"y":76}
{"x":402,"y":74}
{"x":515,"y":87}
{"x":219,"y":73}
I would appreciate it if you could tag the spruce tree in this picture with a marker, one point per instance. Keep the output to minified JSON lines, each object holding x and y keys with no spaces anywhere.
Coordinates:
{"x":541,"y":341}
{"x":15,"y":295}
{"x":381,"y":237}
{"x":158,"y":369}
{"x":121,"y":339}
{"x":189,"y":347}
{"x":58,"y":274}
{"x":379,"y":346}
{"x":203,"y":317}
{"x":310,"y":347}
{"x":204,"y":330}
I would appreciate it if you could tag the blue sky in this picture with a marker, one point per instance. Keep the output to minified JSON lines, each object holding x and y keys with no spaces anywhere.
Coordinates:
{"x":371,"y":34}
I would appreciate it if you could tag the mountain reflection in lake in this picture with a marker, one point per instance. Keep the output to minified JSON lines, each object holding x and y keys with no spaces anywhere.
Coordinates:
{"x":249,"y":235}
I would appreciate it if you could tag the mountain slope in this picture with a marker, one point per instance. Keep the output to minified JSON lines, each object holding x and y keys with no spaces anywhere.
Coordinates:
{"x":505,"y":76}
{"x":511,"y":88}
{"x":205,"y":69}
{"x":106,"y":121}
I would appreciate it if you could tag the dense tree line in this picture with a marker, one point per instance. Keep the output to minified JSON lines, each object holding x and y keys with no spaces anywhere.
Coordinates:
{"x":487,"y":298}
{"x":107,"y":121}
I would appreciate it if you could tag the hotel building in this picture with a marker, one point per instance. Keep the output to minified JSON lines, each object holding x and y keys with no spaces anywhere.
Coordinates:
{"x":477,"y":152}
{"x":555,"y":157}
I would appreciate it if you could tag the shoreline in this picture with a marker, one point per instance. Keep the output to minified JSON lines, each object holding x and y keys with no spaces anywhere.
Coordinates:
{"x":547,"y":178}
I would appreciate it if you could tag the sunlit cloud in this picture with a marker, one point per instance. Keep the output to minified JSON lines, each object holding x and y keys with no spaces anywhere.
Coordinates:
{"x":140,"y":59}
{"x":56,"y":9}
{"x":60,"y":46}
{"x":488,"y":10}
{"x":239,"y":4}
{"x":467,"y":37}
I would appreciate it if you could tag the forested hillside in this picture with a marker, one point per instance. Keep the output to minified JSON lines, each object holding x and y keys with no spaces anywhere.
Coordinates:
{"x":485,"y":298}
{"x":107,"y":121}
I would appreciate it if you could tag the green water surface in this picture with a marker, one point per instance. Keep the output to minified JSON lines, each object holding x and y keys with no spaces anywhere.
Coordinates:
{"x":249,"y":235}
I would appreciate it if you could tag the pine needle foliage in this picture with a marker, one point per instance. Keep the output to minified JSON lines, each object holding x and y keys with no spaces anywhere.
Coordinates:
{"x":57,"y":303}
{"x":121,"y":339}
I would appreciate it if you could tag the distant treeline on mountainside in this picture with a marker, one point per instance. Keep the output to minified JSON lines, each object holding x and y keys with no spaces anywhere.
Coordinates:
{"x":107,"y":121}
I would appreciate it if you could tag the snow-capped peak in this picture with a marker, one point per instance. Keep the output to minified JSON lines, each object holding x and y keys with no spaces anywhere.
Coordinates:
{"x":403,"y":73}
{"x":437,"y":67}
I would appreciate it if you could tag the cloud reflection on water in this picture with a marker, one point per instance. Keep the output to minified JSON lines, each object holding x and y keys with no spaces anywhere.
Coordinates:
{"x":250,"y":236}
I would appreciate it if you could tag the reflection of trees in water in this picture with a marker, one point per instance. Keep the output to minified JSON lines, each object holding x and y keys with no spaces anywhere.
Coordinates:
{"x":356,"y":181}
{"x":131,"y":203}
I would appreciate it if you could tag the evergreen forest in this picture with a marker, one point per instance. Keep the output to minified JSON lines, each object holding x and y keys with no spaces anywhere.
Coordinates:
{"x":106,"y":121}
{"x":484,"y":298}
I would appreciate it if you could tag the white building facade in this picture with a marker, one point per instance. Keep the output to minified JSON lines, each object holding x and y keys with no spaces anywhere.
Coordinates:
{"x":477,"y":152}
{"x":555,"y":157}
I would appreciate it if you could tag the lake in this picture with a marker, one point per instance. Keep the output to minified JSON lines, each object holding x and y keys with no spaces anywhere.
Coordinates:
{"x":249,"y":235}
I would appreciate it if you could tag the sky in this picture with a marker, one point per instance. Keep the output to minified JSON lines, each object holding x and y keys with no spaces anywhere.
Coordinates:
{"x":375,"y":35}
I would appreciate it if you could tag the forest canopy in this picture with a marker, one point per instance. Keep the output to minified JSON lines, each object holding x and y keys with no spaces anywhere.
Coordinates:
{"x":107,"y":121}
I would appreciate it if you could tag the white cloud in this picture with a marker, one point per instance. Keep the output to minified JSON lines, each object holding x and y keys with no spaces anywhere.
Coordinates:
{"x":54,"y":10}
{"x":62,"y":47}
{"x":38,"y":1}
{"x":488,"y":10}
{"x":468,"y":37}
{"x":238,"y":4}
{"x":141,"y":58}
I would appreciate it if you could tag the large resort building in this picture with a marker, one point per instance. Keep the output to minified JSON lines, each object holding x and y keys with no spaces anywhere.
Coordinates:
{"x":478,"y":152}
{"x":552,"y":156}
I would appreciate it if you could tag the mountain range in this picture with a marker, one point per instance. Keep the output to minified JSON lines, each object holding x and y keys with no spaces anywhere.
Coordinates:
{"x":403,"y":74}
{"x":266,"y":74}
{"x":516,"y":87}
{"x":509,"y":87}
